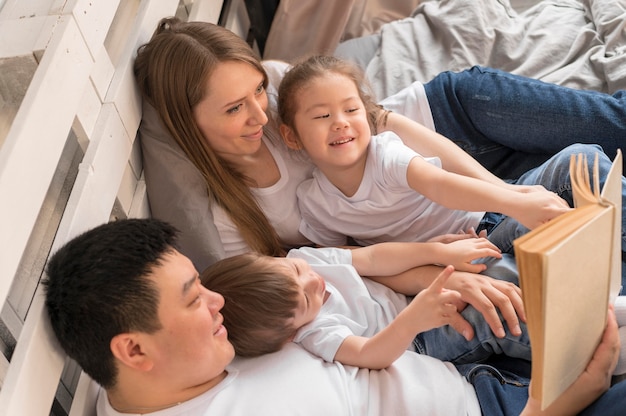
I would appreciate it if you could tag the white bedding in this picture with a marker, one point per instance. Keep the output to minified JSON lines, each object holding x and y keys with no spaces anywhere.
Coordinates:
{"x":581,"y":44}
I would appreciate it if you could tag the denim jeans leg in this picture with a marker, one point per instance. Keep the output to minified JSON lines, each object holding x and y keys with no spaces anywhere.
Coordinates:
{"x":554,"y":176}
{"x":447,"y":344}
{"x":499,"y":392}
{"x":511,"y":124}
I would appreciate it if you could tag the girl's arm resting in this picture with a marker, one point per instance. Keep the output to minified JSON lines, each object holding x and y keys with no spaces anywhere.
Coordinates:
{"x":387,"y":259}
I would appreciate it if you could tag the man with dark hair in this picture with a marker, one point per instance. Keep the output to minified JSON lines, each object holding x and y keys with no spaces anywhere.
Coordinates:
{"x":130,"y":309}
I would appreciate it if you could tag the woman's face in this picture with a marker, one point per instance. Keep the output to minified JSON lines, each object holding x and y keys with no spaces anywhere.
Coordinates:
{"x":231,"y":114}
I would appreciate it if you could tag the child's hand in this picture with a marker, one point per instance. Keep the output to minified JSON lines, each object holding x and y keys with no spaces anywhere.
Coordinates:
{"x":539,"y":207}
{"x":461,"y":235}
{"x":435,"y":306}
{"x":461,"y":253}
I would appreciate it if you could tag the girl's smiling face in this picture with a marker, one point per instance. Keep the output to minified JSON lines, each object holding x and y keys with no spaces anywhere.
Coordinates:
{"x":330,"y":122}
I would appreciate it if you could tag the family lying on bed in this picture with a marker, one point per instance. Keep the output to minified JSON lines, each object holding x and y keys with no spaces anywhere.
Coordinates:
{"x":162,"y":345}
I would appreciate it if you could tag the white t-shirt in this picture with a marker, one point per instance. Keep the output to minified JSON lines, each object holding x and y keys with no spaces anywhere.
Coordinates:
{"x":355,"y":306}
{"x":278,"y":201}
{"x":294,"y":382}
{"x":384,"y":208}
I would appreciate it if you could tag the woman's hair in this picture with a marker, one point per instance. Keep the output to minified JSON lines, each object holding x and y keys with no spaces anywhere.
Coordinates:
{"x":260,"y":300}
{"x":171,"y":71}
{"x":308,"y":69}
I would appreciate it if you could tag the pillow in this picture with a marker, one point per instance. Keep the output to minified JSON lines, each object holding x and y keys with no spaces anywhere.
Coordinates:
{"x":177,"y":192}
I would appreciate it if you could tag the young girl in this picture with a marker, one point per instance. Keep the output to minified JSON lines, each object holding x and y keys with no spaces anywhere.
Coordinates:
{"x":373,"y":188}
{"x":317,"y":298}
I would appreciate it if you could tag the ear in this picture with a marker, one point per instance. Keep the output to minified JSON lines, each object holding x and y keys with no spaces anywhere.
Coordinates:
{"x":290,"y":137}
{"x":128,"y":349}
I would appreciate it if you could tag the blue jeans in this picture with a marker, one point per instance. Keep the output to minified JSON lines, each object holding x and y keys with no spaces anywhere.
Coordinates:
{"x":447,"y":344}
{"x":502,"y":389}
{"x":554,"y":176}
{"x":512,"y":124}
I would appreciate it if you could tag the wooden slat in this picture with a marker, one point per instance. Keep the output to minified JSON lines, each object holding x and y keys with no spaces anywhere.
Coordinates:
{"x":31,"y":150}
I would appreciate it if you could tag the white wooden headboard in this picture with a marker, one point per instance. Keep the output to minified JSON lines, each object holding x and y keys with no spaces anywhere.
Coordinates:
{"x":69,"y":113}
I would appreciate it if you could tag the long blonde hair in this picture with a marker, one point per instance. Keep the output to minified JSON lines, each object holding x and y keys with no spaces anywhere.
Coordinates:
{"x":171,"y":71}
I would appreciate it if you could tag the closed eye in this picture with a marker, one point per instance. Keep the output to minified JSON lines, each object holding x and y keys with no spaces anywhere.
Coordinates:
{"x":322,"y":116}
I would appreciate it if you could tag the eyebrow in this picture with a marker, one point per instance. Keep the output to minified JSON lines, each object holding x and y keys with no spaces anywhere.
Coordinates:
{"x":238,"y":100}
{"x":344,"y":101}
{"x":189,"y":284}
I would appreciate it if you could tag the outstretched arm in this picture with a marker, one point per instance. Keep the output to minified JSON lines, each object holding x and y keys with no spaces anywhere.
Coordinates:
{"x":391,"y":258}
{"x":429,"y":143}
{"x":469,"y":194}
{"x":431,"y":308}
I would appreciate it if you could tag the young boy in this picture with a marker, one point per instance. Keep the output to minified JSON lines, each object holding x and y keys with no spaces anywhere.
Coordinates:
{"x":317,"y":298}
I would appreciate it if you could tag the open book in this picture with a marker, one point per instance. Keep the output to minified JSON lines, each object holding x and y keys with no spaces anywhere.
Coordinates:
{"x":570,"y":269}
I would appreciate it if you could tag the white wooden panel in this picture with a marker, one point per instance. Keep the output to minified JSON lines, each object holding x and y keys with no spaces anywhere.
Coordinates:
{"x":19,"y":36}
{"x":36,"y":363}
{"x":36,"y":139}
{"x":85,"y":397}
{"x":94,"y":19}
{"x":87,"y":115}
{"x":123,"y":91}
{"x":102,"y":73}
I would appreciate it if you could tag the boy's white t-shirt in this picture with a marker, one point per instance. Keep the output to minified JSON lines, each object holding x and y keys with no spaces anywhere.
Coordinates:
{"x":355,"y":306}
{"x":292,"y":381}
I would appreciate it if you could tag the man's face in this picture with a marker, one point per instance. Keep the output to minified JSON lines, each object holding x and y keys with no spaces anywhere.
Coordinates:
{"x":191,"y":348}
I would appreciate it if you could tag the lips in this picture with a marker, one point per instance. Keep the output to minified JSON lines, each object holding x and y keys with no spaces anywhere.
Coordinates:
{"x":342,"y":141}
{"x":219,"y":328}
{"x":256,"y":135}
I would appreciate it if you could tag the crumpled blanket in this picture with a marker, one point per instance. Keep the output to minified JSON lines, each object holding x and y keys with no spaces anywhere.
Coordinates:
{"x":576,"y":43}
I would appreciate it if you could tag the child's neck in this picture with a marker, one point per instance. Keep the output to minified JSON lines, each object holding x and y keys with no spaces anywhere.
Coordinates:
{"x":346,"y":178}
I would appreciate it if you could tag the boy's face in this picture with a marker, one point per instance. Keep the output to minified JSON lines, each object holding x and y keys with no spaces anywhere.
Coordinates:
{"x":331,"y":122}
{"x":312,"y":289}
{"x":191,"y":349}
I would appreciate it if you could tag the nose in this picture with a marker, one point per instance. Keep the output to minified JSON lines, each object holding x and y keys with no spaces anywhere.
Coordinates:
{"x":257,"y":114}
{"x":214,"y":300}
{"x":339,"y":122}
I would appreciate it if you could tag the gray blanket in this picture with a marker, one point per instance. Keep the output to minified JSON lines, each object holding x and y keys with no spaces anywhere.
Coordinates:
{"x":580,"y":44}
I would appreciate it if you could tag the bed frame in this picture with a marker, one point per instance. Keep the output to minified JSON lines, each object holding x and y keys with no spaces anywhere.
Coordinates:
{"x":69,"y":114}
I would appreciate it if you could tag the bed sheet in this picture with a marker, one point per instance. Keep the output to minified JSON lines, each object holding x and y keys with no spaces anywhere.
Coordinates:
{"x":577,"y":43}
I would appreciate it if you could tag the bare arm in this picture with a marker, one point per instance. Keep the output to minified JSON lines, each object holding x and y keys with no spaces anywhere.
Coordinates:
{"x":429,"y":143}
{"x":387,"y":259}
{"x":432,"y":308}
{"x":469,"y":194}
